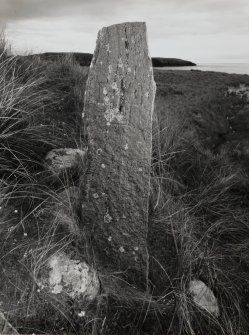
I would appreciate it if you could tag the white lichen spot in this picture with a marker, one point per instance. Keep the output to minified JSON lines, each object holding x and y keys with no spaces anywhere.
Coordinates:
{"x":128,"y":69}
{"x":110,"y":238}
{"x":101,"y":63}
{"x":125,"y":234}
{"x":41,"y":285}
{"x":107,"y":218}
{"x":95,"y":195}
{"x":105,"y":91}
{"x":110,"y":68}
{"x":72,"y":277}
{"x":120,"y":63}
{"x":147,"y":95}
{"x":114,"y":86}
{"x":122,"y":249}
{"x":126,"y":147}
{"x":136,"y":248}
{"x":112,"y":114}
{"x":81,"y":314}
{"x":108,"y":124}
{"x":106,"y":100}
{"x":103,"y":166}
{"x":108,"y":47}
{"x":140,"y":169}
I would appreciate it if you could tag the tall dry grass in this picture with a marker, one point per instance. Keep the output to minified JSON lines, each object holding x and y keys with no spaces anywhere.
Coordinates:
{"x":198,"y":229}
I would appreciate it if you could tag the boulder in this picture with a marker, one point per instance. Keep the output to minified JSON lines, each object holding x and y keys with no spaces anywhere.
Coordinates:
{"x":203,"y":297}
{"x":59,"y":160}
{"x":70,"y":277}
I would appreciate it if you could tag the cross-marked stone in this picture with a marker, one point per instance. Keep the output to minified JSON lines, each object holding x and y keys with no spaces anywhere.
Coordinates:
{"x":118,"y":109}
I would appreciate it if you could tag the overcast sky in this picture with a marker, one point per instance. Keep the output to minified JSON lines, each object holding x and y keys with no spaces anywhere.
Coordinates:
{"x":197,"y":30}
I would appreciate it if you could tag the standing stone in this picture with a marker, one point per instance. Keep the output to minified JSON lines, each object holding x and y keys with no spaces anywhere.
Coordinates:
{"x":119,"y":101}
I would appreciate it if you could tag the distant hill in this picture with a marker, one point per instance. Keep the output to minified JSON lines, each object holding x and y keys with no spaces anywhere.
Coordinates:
{"x":161,"y":62}
{"x":84,"y":59}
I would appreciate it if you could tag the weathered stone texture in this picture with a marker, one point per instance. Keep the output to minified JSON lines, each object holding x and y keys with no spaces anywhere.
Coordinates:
{"x":118,"y":117}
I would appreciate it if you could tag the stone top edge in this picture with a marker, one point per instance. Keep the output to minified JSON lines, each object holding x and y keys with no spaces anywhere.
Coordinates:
{"x":133,"y":23}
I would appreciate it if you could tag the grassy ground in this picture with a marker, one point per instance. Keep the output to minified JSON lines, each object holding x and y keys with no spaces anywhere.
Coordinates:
{"x":198,"y":222}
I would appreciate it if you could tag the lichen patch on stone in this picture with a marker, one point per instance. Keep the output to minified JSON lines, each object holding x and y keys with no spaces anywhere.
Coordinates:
{"x":114,"y":86}
{"x":71,"y":276}
{"x":112,"y":114}
{"x":107,"y":218}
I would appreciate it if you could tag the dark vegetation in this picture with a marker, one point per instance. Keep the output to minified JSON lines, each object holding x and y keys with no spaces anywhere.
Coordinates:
{"x":161,"y":62}
{"x":84,"y":59}
{"x":198,"y":223}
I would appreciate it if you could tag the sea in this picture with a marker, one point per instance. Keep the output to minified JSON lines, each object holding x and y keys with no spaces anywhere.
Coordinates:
{"x":238,"y":68}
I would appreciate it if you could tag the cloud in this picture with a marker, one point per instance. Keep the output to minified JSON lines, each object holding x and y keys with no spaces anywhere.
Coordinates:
{"x":175,"y":27}
{"x":24,"y":9}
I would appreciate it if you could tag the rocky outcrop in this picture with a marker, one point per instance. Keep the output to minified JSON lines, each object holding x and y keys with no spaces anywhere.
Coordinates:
{"x":242,"y":91}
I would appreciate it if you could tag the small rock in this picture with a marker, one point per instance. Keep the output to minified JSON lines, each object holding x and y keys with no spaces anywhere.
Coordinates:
{"x":204,"y":297}
{"x":69,"y":276}
{"x":58,"y":160}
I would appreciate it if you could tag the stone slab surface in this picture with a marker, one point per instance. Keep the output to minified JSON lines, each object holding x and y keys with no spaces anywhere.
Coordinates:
{"x":119,"y":101}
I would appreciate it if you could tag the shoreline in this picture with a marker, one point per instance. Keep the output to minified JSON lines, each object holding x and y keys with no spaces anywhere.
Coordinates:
{"x":230,"y":68}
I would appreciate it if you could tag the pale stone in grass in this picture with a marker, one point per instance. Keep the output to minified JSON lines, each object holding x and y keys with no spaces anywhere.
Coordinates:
{"x":72,"y":277}
{"x":58,"y":160}
{"x":204,"y":297}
